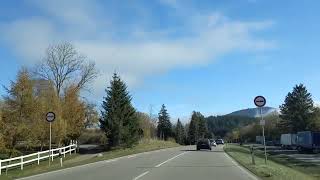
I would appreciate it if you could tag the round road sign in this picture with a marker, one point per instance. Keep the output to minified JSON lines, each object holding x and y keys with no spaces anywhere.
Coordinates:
{"x":50,"y":116}
{"x":260,"y":101}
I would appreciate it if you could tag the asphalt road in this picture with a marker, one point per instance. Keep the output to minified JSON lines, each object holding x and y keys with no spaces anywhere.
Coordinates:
{"x":181,"y":163}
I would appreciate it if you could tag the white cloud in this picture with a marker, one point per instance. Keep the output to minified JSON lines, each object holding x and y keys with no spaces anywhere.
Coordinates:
{"x":140,"y":53}
{"x":29,"y":37}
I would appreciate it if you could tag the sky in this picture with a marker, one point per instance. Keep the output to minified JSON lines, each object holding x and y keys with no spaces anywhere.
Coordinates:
{"x":207,"y":56}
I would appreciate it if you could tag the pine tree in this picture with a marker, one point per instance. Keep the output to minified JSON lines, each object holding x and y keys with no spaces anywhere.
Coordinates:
{"x":164,"y":125}
{"x":179,"y":133}
{"x":119,"y":120}
{"x":203,"y":128}
{"x":193,"y":129}
{"x":296,"y":112}
{"x":198,"y":127}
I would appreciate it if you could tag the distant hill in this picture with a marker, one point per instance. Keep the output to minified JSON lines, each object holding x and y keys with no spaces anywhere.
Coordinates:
{"x":254,"y":112}
{"x":221,"y":125}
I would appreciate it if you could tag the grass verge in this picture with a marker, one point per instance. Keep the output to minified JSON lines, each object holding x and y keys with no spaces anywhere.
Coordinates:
{"x":76,"y":159}
{"x":273,"y":170}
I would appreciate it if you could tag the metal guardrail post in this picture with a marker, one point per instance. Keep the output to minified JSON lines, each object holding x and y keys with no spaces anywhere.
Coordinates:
{"x":0,"y":167}
{"x":64,"y":152}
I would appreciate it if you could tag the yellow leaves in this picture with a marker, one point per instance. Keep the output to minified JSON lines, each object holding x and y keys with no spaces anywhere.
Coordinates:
{"x":73,"y":112}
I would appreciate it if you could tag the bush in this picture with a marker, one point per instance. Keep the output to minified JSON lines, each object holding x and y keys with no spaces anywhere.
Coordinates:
{"x":93,"y":136}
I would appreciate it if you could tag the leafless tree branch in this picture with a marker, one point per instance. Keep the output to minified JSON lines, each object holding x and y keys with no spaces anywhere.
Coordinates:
{"x":62,"y":64}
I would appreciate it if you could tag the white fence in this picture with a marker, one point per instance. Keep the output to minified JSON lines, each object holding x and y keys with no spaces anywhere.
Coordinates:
{"x":37,"y":157}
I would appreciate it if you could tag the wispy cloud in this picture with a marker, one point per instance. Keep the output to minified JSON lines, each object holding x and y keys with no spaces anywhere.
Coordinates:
{"x":135,"y":50}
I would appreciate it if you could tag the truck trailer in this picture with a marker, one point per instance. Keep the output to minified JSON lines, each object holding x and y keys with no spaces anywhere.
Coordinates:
{"x":259,"y":139}
{"x":308,"y":140}
{"x":288,"y":141}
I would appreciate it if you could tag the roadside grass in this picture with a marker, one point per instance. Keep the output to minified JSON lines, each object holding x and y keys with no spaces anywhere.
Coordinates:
{"x":275,"y":169}
{"x":77,"y":160}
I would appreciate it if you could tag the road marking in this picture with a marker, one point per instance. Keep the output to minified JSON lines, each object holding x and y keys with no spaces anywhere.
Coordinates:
{"x":95,"y":163}
{"x":170,"y":159}
{"x":143,"y":174}
{"x":131,"y":156}
{"x":242,"y":169}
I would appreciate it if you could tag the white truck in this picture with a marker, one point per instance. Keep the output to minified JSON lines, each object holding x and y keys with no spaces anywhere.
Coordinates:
{"x":288,"y":141}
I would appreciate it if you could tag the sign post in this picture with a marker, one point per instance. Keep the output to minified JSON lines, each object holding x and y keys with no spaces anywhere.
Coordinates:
{"x":260,"y":101}
{"x":50,"y":116}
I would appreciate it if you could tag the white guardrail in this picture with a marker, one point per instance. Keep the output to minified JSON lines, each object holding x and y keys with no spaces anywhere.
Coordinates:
{"x":38,"y":156}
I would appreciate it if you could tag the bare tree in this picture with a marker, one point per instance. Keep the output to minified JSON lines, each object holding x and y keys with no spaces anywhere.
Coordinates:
{"x":62,"y":64}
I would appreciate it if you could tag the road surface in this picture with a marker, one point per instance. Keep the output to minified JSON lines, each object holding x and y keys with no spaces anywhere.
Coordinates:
{"x":182,"y":163}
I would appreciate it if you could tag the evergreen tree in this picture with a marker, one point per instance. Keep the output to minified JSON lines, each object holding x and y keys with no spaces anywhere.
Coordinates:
{"x":164,"y":125}
{"x":315,"y":122}
{"x":179,"y":133}
{"x":193,"y":132}
{"x":119,"y":120}
{"x":203,"y":128}
{"x":296,"y":112}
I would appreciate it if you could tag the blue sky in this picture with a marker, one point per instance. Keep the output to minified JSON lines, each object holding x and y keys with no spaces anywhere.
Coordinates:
{"x":209,"y":56}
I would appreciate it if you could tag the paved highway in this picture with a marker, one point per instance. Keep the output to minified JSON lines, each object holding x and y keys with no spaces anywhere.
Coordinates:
{"x":182,"y":163}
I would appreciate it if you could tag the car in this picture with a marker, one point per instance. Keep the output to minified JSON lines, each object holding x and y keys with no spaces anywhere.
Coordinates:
{"x":219,"y":141}
{"x":213,"y":142}
{"x":203,"y":144}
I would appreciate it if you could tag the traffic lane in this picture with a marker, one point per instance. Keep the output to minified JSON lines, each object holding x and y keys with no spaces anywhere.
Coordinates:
{"x":119,"y":168}
{"x":200,"y":165}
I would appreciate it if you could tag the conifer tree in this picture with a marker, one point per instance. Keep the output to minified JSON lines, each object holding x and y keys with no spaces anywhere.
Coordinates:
{"x":119,"y":120}
{"x":297,"y":110}
{"x":164,"y":125}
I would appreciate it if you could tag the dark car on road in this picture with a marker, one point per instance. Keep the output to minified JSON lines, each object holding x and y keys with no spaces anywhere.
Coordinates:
{"x":203,"y":144}
{"x":219,"y":141}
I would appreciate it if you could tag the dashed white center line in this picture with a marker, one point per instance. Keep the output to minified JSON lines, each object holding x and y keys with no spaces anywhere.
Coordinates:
{"x":170,"y":159}
{"x":143,"y":174}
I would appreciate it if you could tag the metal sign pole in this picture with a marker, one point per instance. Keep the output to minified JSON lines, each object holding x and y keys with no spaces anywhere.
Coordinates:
{"x":264,"y":138}
{"x":50,"y":145}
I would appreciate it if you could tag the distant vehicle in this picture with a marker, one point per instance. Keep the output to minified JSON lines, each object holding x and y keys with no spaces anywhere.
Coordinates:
{"x":213,"y":143}
{"x":269,"y":143}
{"x":288,"y":141}
{"x":259,"y":139}
{"x":277,"y":143}
{"x":203,"y":144}
{"x":308,"y":140}
{"x":219,"y":141}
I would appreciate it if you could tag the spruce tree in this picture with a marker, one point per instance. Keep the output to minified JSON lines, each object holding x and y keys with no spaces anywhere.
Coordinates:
{"x":179,"y":133}
{"x":296,"y":112}
{"x":119,"y":120}
{"x":193,"y":129}
{"x":202,"y":124}
{"x":164,"y":125}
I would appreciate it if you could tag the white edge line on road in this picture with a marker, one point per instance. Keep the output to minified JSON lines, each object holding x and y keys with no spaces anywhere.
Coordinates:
{"x":170,"y":159}
{"x":131,"y":156}
{"x":252,"y":176}
{"x":98,"y":162}
{"x":143,"y":174}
